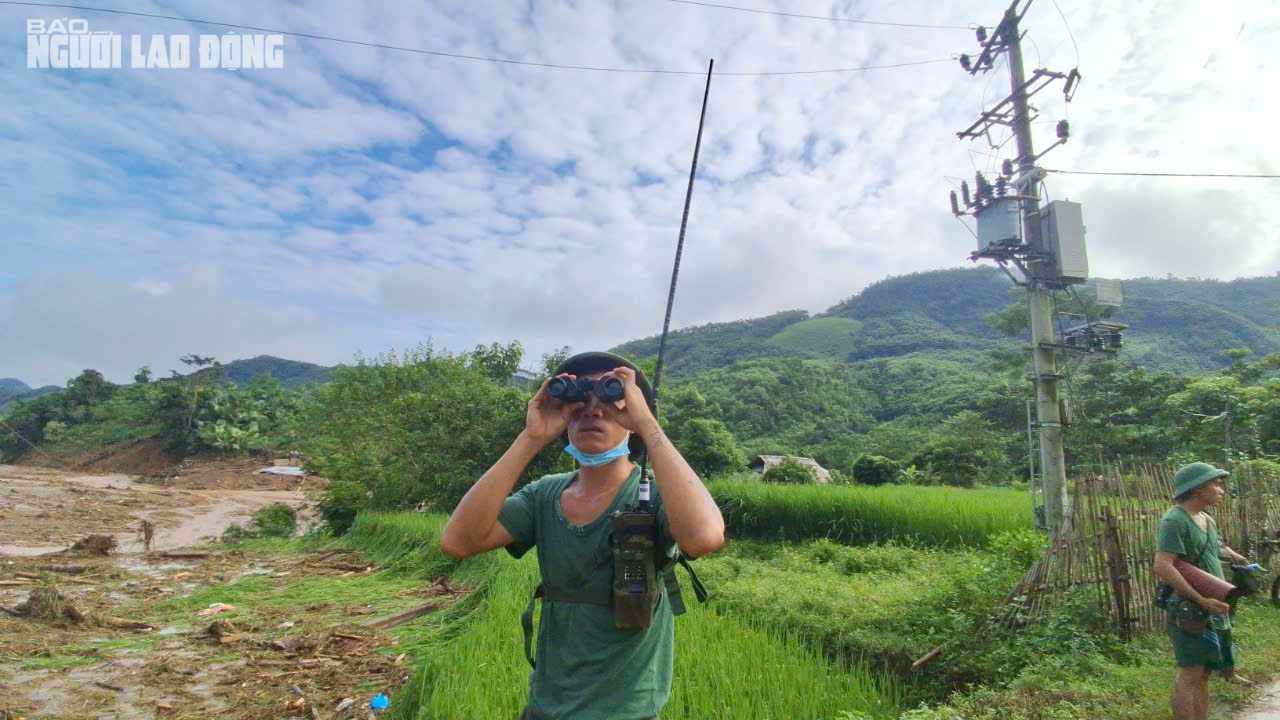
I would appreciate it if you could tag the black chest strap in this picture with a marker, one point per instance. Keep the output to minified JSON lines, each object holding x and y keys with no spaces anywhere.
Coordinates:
{"x":670,"y":588}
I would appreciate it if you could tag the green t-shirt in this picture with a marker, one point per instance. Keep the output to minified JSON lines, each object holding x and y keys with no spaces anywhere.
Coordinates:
{"x":1179,"y":534}
{"x":588,"y":669}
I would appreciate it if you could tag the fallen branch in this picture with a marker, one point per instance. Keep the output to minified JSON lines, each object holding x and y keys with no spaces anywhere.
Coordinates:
{"x":28,"y":575}
{"x":350,"y":567}
{"x":186,"y":554}
{"x":13,"y":583}
{"x":108,"y":686}
{"x":924,"y":660}
{"x":116,"y":622}
{"x":73,"y":612}
{"x":346,"y":636}
{"x":403,"y":616}
{"x":10,"y":611}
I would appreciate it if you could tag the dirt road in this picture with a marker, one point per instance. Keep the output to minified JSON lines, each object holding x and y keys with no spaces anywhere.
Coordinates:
{"x":1266,"y":707}
{"x":44,"y":511}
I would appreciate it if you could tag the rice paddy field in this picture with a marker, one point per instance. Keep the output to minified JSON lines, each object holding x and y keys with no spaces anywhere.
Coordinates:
{"x":858,"y":514}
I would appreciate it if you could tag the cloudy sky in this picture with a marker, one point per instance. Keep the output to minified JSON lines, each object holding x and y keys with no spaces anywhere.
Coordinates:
{"x":363,"y":199}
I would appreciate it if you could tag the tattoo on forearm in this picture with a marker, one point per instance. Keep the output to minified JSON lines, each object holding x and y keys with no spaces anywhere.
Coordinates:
{"x":655,"y":440}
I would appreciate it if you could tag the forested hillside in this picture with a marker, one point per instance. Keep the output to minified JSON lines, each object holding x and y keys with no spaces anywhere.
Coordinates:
{"x":1177,"y":325}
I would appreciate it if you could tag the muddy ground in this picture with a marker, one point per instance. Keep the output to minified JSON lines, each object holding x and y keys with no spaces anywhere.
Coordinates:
{"x":116,"y":636}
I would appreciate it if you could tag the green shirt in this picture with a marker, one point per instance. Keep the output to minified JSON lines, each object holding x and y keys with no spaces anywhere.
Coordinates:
{"x":588,"y":669}
{"x":1179,"y":534}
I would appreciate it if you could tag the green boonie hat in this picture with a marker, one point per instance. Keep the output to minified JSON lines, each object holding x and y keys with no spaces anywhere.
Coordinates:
{"x":588,"y":363}
{"x":1190,"y":477}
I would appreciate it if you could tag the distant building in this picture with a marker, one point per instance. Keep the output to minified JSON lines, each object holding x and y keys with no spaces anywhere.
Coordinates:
{"x":762,"y":464}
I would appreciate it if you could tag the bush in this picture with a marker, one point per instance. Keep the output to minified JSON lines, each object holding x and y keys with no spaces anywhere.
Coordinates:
{"x":790,"y":471}
{"x":275,"y":520}
{"x":875,"y":470}
{"x":341,"y":502}
{"x":1021,"y":548}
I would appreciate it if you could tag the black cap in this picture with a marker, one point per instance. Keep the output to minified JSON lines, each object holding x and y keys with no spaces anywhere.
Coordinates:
{"x":589,"y":363}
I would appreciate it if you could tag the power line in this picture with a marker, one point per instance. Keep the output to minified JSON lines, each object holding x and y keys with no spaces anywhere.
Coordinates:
{"x":460,"y":56}
{"x":1160,"y":174}
{"x":1069,"y":33}
{"x":818,"y":17}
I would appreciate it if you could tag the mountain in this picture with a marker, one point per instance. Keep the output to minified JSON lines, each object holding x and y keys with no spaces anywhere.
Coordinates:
{"x":290,"y":373}
{"x":1174,"y":324}
{"x":12,"y":387}
{"x":12,"y":390}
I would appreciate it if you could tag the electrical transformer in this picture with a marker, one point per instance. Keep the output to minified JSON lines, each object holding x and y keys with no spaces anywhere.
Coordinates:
{"x":999,"y":223}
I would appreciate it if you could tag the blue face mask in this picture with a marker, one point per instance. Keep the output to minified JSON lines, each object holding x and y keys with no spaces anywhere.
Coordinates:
{"x":598,"y":459}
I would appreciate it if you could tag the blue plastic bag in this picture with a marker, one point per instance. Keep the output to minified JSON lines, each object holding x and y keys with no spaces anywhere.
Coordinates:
{"x":379,"y":702}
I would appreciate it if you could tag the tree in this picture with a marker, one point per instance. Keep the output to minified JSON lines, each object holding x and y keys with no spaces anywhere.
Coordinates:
{"x":411,"y":431}
{"x":555,"y":358}
{"x":790,"y":471}
{"x":499,"y":362}
{"x":710,"y":448}
{"x":965,"y":449}
{"x":875,"y":470}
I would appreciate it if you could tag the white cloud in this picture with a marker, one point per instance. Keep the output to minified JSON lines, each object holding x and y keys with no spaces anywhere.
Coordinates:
{"x":361,"y":199}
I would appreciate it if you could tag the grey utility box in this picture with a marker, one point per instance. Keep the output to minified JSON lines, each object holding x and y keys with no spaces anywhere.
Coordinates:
{"x":1062,"y":229}
{"x":998,"y":223}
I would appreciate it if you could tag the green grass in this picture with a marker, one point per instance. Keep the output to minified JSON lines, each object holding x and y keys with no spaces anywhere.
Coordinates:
{"x":823,"y":337}
{"x":942,"y":516}
{"x":890,"y":602}
{"x":84,"y":653}
{"x":1133,"y":687}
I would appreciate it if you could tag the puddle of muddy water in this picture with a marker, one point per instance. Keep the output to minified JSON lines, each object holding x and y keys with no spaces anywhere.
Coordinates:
{"x":30,"y":550}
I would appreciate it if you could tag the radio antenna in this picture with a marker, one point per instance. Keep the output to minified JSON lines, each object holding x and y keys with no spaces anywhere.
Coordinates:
{"x":643,"y":495}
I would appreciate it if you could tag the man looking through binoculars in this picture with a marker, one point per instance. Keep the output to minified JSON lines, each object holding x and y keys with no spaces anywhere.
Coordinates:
{"x":593,"y":660}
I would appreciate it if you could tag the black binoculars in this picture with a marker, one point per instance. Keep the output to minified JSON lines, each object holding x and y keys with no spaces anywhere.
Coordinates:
{"x":568,"y":390}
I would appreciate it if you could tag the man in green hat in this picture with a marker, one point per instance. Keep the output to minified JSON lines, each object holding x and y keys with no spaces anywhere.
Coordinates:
{"x":588,"y":665}
{"x":1200,"y":627}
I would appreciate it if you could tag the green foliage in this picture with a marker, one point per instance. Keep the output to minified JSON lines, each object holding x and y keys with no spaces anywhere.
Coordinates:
{"x":709,"y":447}
{"x":414,"y":430}
{"x":949,"y":517}
{"x":965,"y":450}
{"x":499,"y":362}
{"x":875,"y":470}
{"x":275,"y":520}
{"x":716,"y":345}
{"x":791,"y":402}
{"x":819,"y":337}
{"x":1022,"y":547}
{"x":790,"y":471}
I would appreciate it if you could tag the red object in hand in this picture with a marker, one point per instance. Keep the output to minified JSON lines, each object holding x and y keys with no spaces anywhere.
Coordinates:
{"x":1206,"y":584}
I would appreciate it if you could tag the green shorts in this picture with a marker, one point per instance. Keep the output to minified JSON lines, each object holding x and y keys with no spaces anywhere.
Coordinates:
{"x":1211,"y":650}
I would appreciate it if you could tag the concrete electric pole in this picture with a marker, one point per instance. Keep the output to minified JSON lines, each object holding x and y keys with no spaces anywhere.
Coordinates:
{"x":1046,"y":251}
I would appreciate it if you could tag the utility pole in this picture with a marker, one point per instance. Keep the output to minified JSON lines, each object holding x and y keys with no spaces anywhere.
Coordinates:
{"x":1013,"y":201}
{"x":1039,"y":302}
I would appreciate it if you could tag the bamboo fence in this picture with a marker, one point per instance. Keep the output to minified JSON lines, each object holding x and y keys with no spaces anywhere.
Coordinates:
{"x":1104,"y":553}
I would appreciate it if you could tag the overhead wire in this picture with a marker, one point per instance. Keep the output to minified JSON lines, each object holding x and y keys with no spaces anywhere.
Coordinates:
{"x":1164,"y":174}
{"x":458,"y":56}
{"x":1069,"y":33}
{"x":737,"y":8}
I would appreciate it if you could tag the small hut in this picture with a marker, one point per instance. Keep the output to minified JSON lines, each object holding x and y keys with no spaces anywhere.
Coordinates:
{"x":762,"y":463}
